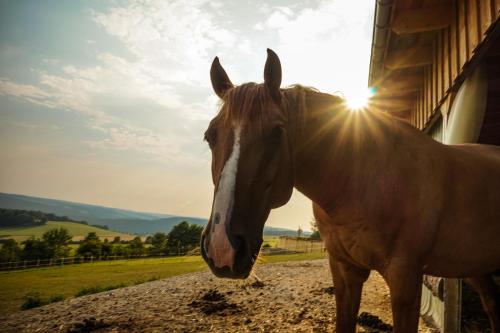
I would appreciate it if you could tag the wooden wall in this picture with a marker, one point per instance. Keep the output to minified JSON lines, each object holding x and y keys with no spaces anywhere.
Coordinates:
{"x":453,"y":48}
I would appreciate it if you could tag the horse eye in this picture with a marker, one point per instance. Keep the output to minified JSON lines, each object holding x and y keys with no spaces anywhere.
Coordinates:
{"x":209,"y":137}
{"x":275,"y":135}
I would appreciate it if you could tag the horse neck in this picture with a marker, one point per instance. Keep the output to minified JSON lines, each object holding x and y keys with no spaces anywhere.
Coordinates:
{"x":335,"y":149}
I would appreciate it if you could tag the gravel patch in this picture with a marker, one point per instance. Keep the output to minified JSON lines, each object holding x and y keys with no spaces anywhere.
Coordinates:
{"x":287,"y":297}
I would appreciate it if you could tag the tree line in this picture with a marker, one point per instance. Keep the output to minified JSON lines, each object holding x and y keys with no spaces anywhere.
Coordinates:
{"x":55,"y":244}
{"x":28,"y":218}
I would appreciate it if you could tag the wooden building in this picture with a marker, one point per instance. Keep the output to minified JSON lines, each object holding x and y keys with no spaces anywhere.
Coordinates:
{"x":436,"y":64}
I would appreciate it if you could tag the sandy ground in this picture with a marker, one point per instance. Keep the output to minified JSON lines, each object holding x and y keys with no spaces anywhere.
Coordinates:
{"x":290,"y":297}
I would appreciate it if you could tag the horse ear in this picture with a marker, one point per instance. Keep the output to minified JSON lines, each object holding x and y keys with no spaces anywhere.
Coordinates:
{"x":219,"y":78}
{"x":272,"y":75}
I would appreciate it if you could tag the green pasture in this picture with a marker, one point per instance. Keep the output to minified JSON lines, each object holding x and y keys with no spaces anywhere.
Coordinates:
{"x":69,"y":280}
{"x":74,"y":229}
{"x":273,"y":241}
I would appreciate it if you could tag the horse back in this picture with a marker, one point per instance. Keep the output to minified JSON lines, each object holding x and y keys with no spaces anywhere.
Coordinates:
{"x":467,"y":241}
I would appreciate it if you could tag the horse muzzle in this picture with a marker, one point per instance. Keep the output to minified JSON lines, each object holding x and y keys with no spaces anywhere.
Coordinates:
{"x":235,"y":262}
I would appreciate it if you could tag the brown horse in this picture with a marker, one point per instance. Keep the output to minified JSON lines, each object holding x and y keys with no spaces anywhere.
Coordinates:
{"x":386,"y":196}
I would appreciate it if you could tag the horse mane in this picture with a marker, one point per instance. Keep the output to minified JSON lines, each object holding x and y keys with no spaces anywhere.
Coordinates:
{"x":249,"y":104}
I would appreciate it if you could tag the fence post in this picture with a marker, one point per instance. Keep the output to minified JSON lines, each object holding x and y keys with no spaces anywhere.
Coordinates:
{"x":91,"y":259}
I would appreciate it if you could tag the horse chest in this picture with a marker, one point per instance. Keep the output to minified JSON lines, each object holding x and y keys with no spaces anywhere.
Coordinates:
{"x":356,"y":243}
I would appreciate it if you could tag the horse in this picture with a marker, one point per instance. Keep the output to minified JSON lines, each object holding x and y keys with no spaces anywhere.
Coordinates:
{"x":386,"y":196}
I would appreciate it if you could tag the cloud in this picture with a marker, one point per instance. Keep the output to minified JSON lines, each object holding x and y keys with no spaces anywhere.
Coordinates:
{"x":30,"y":126}
{"x":171,"y":39}
{"x":172,"y":45}
{"x":26,"y":92}
{"x":279,"y":18}
{"x":327,"y":46}
{"x":8,"y":87}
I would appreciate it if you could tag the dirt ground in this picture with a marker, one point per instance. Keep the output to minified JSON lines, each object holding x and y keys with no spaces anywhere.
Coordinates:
{"x":288,"y":297}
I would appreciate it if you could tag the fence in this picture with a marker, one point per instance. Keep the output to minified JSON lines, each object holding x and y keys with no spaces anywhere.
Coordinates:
{"x":301,"y":244}
{"x":286,"y":244}
{"x":24,"y":264}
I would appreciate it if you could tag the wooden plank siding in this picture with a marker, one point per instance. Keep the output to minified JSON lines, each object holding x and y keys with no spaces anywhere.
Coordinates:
{"x":446,"y":58}
{"x":473,"y":27}
{"x":463,"y":54}
{"x":454,"y":43}
{"x":453,"y":48}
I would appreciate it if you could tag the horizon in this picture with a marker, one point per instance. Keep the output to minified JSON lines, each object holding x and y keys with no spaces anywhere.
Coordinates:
{"x":105,"y":103}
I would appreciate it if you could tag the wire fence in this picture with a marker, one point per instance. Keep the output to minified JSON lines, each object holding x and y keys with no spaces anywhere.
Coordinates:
{"x":285,"y":245}
{"x":299,"y":244}
{"x":25,"y":264}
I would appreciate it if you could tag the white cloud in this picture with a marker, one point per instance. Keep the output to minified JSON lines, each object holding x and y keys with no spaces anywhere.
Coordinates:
{"x":140,"y":140}
{"x":8,"y":87}
{"x":279,"y":18}
{"x":26,"y":92}
{"x":30,"y":126}
{"x":171,"y":39}
{"x":327,"y":46}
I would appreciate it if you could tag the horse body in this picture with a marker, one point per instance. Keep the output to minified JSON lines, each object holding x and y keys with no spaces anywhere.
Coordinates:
{"x":386,"y":196}
{"x":395,"y":190}
{"x":467,"y":239}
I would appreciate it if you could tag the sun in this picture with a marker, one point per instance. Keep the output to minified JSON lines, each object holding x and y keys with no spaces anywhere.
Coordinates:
{"x":359,"y":100}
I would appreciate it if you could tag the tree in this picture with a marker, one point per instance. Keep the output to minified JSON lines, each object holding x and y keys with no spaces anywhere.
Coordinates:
{"x":183,"y":237}
{"x":10,"y":251}
{"x":120,"y":250}
{"x":136,"y":246}
{"x":90,"y":246}
{"x":116,"y":240}
{"x":315,"y":231}
{"x":299,"y":232}
{"x":107,"y":248}
{"x":158,"y":244}
{"x":35,"y":249}
{"x":57,"y":240}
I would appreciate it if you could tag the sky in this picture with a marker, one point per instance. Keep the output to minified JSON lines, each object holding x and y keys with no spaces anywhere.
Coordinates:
{"x":106,"y":102}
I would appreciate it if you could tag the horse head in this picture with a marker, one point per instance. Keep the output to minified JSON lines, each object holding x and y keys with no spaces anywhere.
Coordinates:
{"x":251,"y":168}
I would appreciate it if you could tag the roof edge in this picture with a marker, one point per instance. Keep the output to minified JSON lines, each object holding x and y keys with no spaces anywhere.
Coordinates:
{"x":381,"y":28}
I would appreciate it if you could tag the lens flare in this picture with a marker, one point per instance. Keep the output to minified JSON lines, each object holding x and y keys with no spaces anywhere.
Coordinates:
{"x":359,"y":100}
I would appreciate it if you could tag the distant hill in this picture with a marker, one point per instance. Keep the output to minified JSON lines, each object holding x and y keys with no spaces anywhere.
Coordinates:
{"x":77,"y":230}
{"x":77,"y":211}
{"x":141,"y":226}
{"x":116,"y":219}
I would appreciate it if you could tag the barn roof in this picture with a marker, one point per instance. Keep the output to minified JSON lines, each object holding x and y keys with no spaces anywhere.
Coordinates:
{"x":423,"y":49}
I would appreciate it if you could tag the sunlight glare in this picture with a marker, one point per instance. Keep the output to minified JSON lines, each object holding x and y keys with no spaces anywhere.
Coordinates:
{"x":359,"y":100}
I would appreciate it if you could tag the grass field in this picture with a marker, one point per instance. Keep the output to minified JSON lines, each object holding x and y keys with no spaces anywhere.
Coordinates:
{"x":273,"y":241}
{"x":68,"y":280}
{"x":77,"y":230}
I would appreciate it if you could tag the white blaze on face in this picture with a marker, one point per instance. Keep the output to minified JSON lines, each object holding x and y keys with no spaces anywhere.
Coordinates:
{"x":219,"y":248}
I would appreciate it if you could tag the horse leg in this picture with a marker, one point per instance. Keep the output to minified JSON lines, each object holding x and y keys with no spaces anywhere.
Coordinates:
{"x":405,"y":285}
{"x":487,"y":290}
{"x":348,"y":281}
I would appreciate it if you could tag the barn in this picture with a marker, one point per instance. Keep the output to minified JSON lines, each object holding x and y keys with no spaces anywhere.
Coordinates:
{"x":436,"y":64}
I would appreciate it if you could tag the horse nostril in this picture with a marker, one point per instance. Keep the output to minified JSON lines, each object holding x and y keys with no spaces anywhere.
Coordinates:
{"x":241,"y":249}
